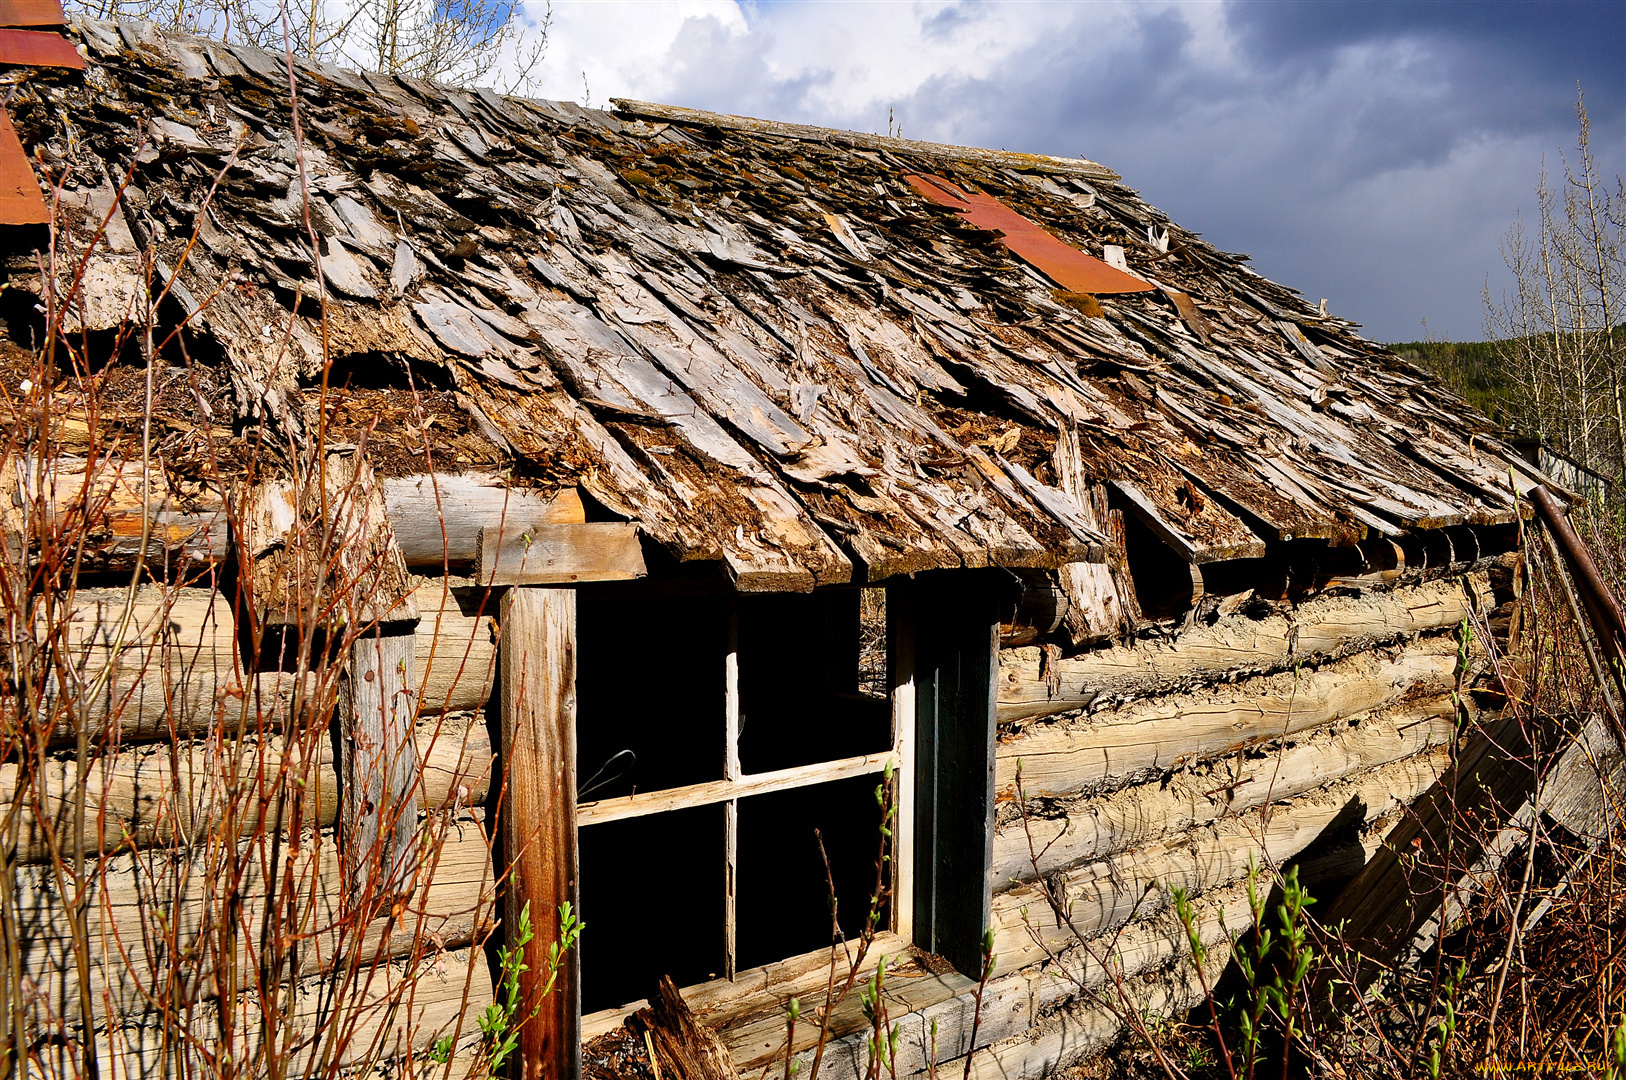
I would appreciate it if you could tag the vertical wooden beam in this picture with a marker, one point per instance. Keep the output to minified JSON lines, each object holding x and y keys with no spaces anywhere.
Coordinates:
{"x":956,"y":620}
{"x":378,"y":758}
{"x":538,"y":680}
{"x":900,"y":652}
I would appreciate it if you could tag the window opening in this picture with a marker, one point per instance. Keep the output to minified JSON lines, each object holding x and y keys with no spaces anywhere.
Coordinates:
{"x":714,"y":734}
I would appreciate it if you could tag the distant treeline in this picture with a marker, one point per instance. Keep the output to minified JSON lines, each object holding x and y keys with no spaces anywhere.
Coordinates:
{"x":1477,"y":370}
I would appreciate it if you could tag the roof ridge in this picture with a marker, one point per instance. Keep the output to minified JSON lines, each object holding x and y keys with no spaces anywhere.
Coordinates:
{"x":677,"y":114}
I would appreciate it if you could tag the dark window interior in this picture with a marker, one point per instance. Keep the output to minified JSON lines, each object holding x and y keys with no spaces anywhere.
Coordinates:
{"x":649,"y":680}
{"x":801,"y":697}
{"x":652,"y":901}
{"x":782,"y":906}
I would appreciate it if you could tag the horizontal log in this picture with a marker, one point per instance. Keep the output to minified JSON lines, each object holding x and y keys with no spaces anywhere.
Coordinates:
{"x":436,"y":519}
{"x":759,"y":1041}
{"x":1094,"y":827}
{"x":1137,"y":740}
{"x":173,"y":668}
{"x":175,"y":795}
{"x":1325,"y":626}
{"x":439,"y":518}
{"x":1106,"y":894}
{"x":393,"y":1011}
{"x":158,"y":921}
{"x":560,"y":554}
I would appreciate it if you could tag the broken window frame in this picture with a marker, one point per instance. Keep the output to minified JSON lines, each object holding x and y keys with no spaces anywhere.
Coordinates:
{"x":736,"y":784}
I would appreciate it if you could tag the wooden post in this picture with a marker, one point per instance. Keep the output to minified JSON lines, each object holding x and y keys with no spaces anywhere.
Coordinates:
{"x":538,"y":683}
{"x":956,"y":623}
{"x":378,"y":759}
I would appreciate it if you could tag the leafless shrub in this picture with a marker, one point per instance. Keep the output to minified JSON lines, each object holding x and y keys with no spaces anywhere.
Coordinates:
{"x":170,"y":898}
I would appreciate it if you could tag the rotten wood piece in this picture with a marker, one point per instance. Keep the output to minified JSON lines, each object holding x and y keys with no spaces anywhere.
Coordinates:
{"x":322,"y":552}
{"x":685,"y":1049}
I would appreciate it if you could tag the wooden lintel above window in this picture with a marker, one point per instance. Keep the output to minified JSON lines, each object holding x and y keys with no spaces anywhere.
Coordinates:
{"x":560,"y":554}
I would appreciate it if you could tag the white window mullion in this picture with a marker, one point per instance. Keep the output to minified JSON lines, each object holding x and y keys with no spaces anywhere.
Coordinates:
{"x":901,"y":653}
{"x":731,"y":773}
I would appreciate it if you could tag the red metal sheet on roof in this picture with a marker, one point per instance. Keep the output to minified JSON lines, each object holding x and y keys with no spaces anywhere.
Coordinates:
{"x":1061,"y":262}
{"x":20,"y":200}
{"x":34,"y":48}
{"x":31,"y":13}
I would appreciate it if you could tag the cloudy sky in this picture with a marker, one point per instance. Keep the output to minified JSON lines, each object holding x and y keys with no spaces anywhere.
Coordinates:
{"x":1373,"y":153}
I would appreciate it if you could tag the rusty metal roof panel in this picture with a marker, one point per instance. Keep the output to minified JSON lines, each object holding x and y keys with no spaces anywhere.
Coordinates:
{"x":20,"y":200}
{"x":38,"y":48}
{"x":31,"y":13}
{"x":1064,"y":264}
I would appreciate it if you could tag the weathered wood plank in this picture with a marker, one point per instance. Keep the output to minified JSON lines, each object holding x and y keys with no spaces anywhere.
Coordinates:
{"x":1321,"y":627}
{"x":1119,"y":745}
{"x":560,"y":554}
{"x":956,"y":655}
{"x":378,"y":764}
{"x":438,"y":519}
{"x":538,"y":667}
{"x":716,"y":791}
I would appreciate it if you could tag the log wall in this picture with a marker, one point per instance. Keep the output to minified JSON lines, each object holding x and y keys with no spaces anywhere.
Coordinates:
{"x":1141,"y":766}
{"x":1302,"y":735}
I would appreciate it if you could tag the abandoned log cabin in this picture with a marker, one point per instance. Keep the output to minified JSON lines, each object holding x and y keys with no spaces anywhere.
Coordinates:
{"x":453,"y":506}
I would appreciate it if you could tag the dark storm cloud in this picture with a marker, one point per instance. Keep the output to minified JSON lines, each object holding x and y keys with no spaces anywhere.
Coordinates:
{"x":1510,"y":67}
{"x":1370,"y":152}
{"x":1560,"y":40}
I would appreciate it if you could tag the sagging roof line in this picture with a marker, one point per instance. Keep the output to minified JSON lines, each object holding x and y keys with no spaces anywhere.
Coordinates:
{"x":675,"y":114}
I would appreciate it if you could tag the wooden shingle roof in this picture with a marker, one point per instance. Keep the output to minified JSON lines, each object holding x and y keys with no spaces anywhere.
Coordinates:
{"x":757,"y":340}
